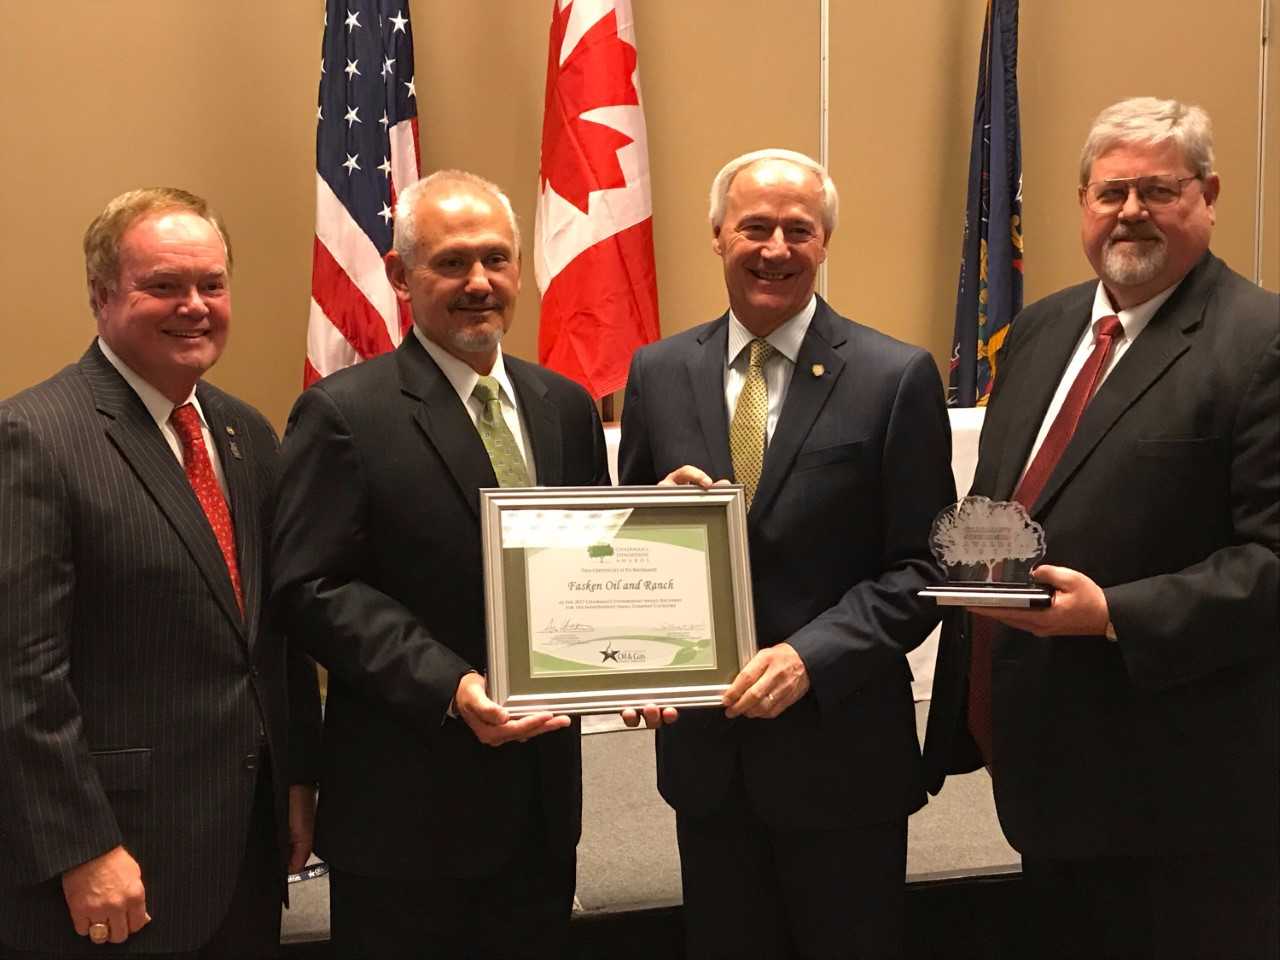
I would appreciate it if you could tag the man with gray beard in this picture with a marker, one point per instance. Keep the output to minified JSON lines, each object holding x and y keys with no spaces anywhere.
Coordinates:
{"x":1131,"y":728}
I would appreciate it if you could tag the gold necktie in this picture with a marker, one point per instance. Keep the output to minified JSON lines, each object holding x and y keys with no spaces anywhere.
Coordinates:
{"x":504,"y":452}
{"x":747,"y":432}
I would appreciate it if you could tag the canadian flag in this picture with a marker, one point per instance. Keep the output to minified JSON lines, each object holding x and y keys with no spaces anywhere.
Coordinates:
{"x":593,"y":241}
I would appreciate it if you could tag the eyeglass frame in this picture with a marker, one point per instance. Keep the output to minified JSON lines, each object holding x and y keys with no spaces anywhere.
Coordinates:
{"x":1135,"y":184}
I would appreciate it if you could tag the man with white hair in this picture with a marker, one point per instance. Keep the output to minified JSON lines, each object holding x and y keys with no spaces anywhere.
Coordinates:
{"x":792,"y":802}
{"x":451,"y":829}
{"x":1131,"y":728}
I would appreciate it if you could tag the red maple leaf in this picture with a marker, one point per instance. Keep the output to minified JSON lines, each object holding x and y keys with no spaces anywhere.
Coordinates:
{"x":580,"y":156}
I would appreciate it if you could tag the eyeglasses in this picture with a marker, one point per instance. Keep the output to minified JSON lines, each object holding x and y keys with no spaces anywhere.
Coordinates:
{"x":1108,"y":196}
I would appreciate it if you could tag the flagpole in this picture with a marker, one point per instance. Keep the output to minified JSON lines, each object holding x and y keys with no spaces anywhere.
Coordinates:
{"x":1264,"y":59}
{"x":824,"y":101}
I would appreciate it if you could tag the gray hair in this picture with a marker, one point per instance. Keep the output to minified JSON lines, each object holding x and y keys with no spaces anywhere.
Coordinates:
{"x":1151,"y":121}
{"x":724,"y":179}
{"x":405,"y":234}
{"x":102,"y":238}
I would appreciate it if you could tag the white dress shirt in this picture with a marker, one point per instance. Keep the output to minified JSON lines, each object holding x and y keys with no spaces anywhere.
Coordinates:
{"x":1134,"y":321}
{"x":777,"y":369}
{"x":161,"y":408}
{"x":463,"y":379}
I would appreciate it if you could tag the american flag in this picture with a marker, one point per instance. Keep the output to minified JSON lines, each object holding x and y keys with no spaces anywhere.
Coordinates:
{"x":366,"y":153}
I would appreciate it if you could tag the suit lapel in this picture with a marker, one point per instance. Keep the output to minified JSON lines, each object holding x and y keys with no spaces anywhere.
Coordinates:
{"x":542,"y":422}
{"x":706,"y":380}
{"x":237,"y":467}
{"x":1051,"y":354}
{"x":806,"y":396}
{"x":444,"y":421}
{"x":1161,"y":343}
{"x":132,"y":431}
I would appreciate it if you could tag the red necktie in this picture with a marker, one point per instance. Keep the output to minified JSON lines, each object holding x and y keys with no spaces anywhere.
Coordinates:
{"x":1055,"y":442}
{"x":199,"y":469}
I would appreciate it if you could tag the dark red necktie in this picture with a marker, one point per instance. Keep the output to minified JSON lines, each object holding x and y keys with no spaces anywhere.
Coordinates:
{"x":983,"y":630}
{"x":199,"y":469}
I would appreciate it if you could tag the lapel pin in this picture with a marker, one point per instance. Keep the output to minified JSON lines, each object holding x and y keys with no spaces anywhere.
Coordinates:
{"x":231,"y":431}
{"x":818,"y":369}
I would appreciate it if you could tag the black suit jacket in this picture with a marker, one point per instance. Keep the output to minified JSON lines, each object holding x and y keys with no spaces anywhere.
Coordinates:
{"x":378,"y":552}
{"x":858,"y":466}
{"x":133,"y":696}
{"x":1168,"y":496}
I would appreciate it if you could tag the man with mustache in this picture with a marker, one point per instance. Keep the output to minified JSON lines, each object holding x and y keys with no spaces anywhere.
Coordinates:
{"x":792,"y":801}
{"x":451,"y":829}
{"x":1131,"y":728}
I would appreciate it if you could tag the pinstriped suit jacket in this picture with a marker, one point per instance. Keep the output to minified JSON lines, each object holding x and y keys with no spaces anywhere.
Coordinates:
{"x":134,"y":698}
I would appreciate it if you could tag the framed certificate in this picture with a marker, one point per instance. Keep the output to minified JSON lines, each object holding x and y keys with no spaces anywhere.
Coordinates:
{"x":599,"y":598}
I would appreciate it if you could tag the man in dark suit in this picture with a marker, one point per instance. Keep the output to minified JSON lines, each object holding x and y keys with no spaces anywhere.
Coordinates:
{"x":144,"y":696}
{"x":1131,"y":728}
{"x":450,"y":828}
{"x":791,"y":805}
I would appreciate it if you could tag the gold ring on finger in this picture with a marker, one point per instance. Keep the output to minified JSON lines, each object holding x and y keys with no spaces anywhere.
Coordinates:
{"x":99,"y":932}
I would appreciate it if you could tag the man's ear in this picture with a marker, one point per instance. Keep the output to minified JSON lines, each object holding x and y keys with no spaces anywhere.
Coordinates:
{"x":396,"y":268}
{"x":1211,"y":187}
{"x":98,"y":295}
{"x":716,"y":245}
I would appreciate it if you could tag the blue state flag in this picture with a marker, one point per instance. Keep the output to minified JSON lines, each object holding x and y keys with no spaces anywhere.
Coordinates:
{"x":990,"y":288}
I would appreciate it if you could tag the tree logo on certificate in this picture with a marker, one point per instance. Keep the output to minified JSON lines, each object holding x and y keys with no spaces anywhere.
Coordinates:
{"x":641,"y":601}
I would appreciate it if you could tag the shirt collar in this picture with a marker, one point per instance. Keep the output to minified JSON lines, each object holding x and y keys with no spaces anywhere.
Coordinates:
{"x":158,"y":405}
{"x":786,"y":339}
{"x":461,"y":376}
{"x":1135,"y":319}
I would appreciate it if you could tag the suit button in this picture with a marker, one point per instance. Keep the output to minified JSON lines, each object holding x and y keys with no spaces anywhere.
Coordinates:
{"x":253,"y":671}
{"x":251,"y":762}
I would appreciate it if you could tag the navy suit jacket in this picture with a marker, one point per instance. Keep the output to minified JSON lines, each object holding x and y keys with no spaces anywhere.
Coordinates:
{"x":1168,"y":496}
{"x":378,"y":554}
{"x":134,"y":698}
{"x":858,"y":466}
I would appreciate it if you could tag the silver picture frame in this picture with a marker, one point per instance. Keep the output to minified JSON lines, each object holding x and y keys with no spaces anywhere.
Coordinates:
{"x":531,"y":536}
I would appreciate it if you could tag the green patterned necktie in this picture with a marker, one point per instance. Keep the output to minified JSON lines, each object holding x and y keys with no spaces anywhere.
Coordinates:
{"x":747,"y":432}
{"x":504,"y":452}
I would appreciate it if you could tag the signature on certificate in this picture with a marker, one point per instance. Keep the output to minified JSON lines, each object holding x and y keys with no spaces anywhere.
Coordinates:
{"x":565,"y":625}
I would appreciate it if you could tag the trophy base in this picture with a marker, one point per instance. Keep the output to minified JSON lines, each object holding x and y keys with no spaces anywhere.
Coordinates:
{"x":990,"y":596}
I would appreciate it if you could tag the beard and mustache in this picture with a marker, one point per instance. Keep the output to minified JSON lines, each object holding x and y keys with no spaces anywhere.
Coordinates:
{"x":1125,"y":264}
{"x":478,"y":338}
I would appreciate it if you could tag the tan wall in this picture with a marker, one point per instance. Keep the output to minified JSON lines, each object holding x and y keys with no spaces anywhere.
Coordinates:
{"x":219,"y":98}
{"x":1181,"y":51}
{"x":902,"y":89}
{"x":1270,"y":246}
